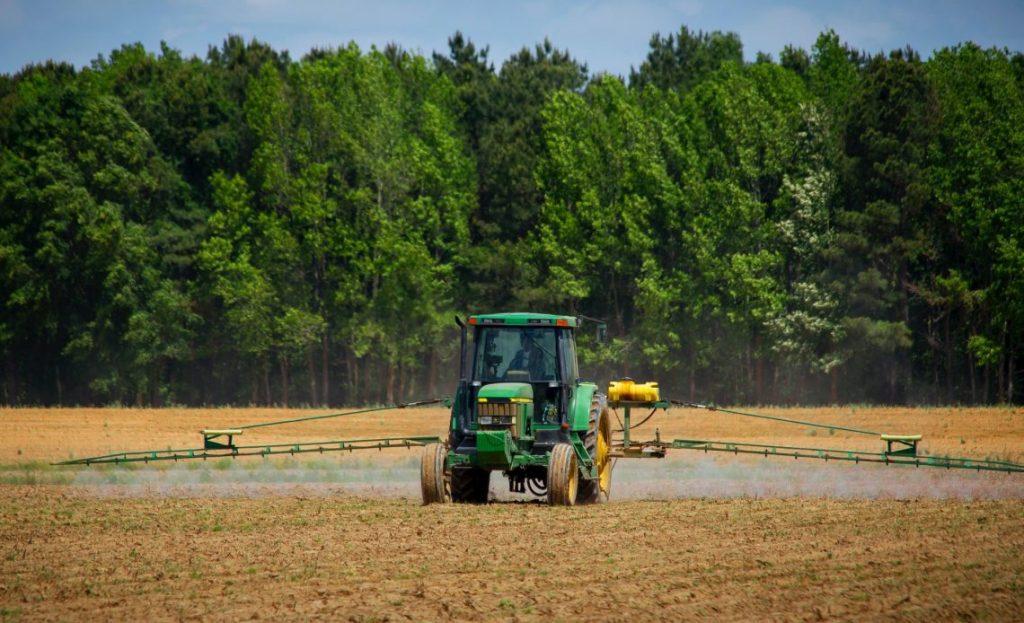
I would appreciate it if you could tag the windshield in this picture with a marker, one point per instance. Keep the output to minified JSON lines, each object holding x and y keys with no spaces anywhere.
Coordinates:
{"x":525,"y":355}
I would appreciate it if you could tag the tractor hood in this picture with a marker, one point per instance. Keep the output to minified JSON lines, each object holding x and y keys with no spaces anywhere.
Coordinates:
{"x":503,"y":410}
{"x":506,"y":392}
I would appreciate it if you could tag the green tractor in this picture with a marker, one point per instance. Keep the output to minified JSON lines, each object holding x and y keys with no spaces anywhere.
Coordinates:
{"x":522,"y":409}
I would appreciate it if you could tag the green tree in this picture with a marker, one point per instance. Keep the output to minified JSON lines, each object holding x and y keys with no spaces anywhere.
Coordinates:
{"x":977,"y":157}
{"x":887,"y":229}
{"x":605,"y":187}
{"x":83,"y":185}
{"x":683,"y":59}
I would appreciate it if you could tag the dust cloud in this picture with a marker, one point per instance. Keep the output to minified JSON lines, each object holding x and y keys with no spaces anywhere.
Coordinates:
{"x":383,"y":479}
{"x":672,"y":478}
{"x":731,"y":477}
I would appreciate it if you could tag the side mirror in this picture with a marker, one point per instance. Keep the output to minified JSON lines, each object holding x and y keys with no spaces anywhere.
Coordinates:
{"x":602,"y":328}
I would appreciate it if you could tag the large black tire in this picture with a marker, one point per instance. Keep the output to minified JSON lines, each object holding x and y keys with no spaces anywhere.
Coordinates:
{"x":590,"y":491}
{"x":563,"y":476}
{"x":470,"y":485}
{"x":433,"y":482}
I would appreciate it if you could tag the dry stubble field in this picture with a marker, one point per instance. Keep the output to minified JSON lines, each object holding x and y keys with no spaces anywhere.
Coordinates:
{"x":345,"y":538}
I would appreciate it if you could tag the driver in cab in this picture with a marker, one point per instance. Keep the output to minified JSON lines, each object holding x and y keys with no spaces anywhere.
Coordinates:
{"x":530,"y":356}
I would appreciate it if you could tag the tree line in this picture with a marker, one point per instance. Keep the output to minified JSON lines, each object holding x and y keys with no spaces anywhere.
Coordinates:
{"x":245,"y":228}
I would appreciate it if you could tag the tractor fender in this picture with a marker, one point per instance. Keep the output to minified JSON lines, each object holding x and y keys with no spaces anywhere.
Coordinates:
{"x":579,"y":407}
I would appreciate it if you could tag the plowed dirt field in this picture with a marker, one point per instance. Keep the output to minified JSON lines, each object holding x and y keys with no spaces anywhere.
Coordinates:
{"x":689,"y":537}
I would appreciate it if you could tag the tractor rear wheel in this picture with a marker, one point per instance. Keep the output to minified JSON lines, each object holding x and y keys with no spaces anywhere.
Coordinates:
{"x":433,"y":481}
{"x":563,"y":476}
{"x":598,"y":442}
{"x":470,"y":485}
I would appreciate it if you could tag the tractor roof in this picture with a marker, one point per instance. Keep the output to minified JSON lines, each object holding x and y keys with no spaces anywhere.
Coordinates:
{"x":525,"y":319}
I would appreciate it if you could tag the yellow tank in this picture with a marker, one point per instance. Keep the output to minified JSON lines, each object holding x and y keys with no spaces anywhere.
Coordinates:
{"x":617,"y":390}
{"x":628,"y":390}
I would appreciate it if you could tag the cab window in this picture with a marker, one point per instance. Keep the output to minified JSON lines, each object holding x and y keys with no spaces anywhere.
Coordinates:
{"x":568,"y":356}
{"x":515,"y":354}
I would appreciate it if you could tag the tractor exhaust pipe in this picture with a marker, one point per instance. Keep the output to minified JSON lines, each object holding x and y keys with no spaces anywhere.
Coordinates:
{"x":462,"y":349}
{"x":463,"y":380}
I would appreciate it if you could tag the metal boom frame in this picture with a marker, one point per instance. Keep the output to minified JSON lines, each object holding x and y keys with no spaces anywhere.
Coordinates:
{"x":219,"y":443}
{"x":899,"y":449}
{"x":216,"y":447}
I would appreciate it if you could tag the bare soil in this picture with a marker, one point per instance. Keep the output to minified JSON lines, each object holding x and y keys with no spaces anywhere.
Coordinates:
{"x":68,"y":556}
{"x":690,"y":537}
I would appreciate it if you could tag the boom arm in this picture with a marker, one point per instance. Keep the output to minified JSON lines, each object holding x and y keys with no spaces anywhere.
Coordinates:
{"x":220,"y":443}
{"x":898,"y":449}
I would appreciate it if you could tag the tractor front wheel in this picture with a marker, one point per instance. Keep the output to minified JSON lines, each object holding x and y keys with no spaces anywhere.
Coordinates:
{"x":563,"y":476}
{"x":433,"y":480}
{"x":470,"y":485}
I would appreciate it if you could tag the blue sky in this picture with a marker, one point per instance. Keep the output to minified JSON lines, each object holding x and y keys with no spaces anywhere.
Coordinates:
{"x":609,"y":36}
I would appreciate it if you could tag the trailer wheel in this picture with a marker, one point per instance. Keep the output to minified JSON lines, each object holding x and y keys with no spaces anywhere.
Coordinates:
{"x":598,"y":442}
{"x":563,"y":476}
{"x":433,"y":481}
{"x":470,"y":485}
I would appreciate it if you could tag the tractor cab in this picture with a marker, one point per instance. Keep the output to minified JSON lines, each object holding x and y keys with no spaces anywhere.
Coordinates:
{"x":533,"y":361}
{"x":518,"y":376}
